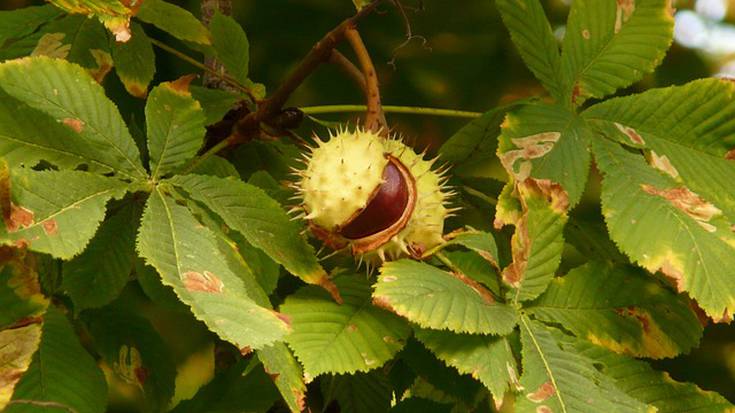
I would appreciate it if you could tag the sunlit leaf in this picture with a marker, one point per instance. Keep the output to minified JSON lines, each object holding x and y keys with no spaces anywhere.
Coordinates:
{"x":353,"y":336}
{"x":231,"y":44}
{"x":17,"y":346}
{"x":436,"y":299}
{"x":114,"y":14}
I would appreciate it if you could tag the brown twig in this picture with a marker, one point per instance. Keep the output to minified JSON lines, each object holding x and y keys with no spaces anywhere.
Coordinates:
{"x":348,"y":68}
{"x":318,"y":54}
{"x":374,"y":119}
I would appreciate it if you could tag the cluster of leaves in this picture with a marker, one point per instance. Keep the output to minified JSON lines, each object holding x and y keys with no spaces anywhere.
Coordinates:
{"x":95,"y":206}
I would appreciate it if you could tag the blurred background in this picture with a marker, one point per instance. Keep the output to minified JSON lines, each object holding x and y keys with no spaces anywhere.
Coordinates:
{"x":458,"y":56}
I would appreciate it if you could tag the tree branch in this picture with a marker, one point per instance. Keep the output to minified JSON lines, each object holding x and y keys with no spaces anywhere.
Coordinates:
{"x":348,"y":68}
{"x":375,"y":118}
{"x":318,"y":54}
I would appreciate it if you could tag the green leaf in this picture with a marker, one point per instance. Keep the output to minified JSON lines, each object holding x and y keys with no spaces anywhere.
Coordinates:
{"x":64,"y":91}
{"x":186,"y":255}
{"x":174,"y":20}
{"x":564,"y":381}
{"x":279,"y":362}
{"x":135,"y":62}
{"x":342,"y":338}
{"x":151,"y":284}
{"x":260,"y":219}
{"x":175,"y":125}
{"x":687,"y":129}
{"x":639,"y":380}
{"x":545,"y":141}
{"x":476,"y":134}
{"x":99,"y":274}
{"x":475,"y":267}
{"x":244,"y":387}
{"x":136,"y":353}
{"x":538,"y":241}
{"x":216,"y":166}
{"x":532,"y":36}
{"x":62,"y":374}
{"x":114,"y":14}
{"x":482,"y":243}
{"x":487,"y":358}
{"x":622,"y":309}
{"x":608,"y":45}
{"x":20,"y":291}
{"x":231,"y":44}
{"x":22,"y":22}
{"x":57,"y":212}
{"x":215,"y":102}
{"x":418,"y":404}
{"x":436,"y":299}
{"x":17,"y":346}
{"x":359,"y":393}
{"x":664,"y":226}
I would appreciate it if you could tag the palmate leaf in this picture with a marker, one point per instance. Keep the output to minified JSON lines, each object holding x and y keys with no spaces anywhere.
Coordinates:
{"x":664,"y":226}
{"x":622,"y":309}
{"x":62,"y":375}
{"x":639,"y":380}
{"x":261,"y":220}
{"x":231,"y":45}
{"x":135,"y":62}
{"x":175,"y":125}
{"x":342,"y":338}
{"x":99,"y":274}
{"x":186,"y":255}
{"x":557,"y":379}
{"x":436,"y":299}
{"x":611,"y":44}
{"x":135,"y":352}
{"x":174,"y":20}
{"x":487,"y":358}
{"x":473,"y":136}
{"x":64,"y":91}
{"x":57,"y":212}
{"x":531,"y":34}
{"x":17,"y":346}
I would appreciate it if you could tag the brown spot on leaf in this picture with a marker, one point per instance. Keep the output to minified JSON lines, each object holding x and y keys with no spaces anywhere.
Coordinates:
{"x":521,"y":247}
{"x":586,"y":34}
{"x":300,"y":399}
{"x":246,"y":350}
{"x":104,"y":65}
{"x":662,"y":163}
{"x":20,"y":218}
{"x":477,"y":287}
{"x":625,"y":9}
{"x":631,"y":133}
{"x":75,"y":124}
{"x":673,"y":273}
{"x":554,"y":193}
{"x":331,"y":288}
{"x":730,"y":155}
{"x":206,"y":282}
{"x":726,"y":317}
{"x":530,"y":147}
{"x":283,"y":317}
{"x":633,"y":312}
{"x":181,"y":85}
{"x":351,"y":328}
{"x":576,"y":92}
{"x":544,"y":409}
{"x":688,"y":202}
{"x":22,"y":243}
{"x":50,"y":226}
{"x":544,"y":391}
{"x":383,"y":303}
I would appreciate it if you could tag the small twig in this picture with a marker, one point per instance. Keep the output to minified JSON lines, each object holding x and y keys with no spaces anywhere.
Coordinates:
{"x":375,"y":118}
{"x":409,"y":33}
{"x":321,"y":52}
{"x":348,"y":68}
{"x":230,"y":80}
{"x":411,"y":110}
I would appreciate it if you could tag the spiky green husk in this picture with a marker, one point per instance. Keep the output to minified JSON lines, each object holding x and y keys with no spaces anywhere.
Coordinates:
{"x":344,"y":171}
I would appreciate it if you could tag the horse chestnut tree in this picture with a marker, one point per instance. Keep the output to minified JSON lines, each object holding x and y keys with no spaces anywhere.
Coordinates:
{"x":175,"y":239}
